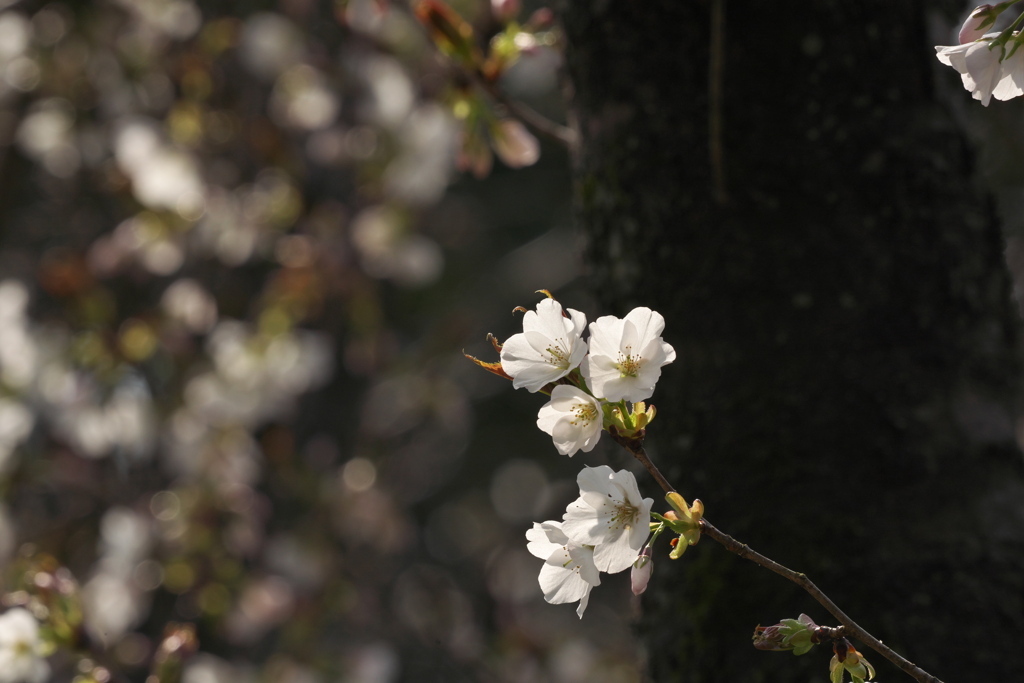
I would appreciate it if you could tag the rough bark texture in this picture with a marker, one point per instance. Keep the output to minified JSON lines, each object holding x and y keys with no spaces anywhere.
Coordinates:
{"x":847,"y":346}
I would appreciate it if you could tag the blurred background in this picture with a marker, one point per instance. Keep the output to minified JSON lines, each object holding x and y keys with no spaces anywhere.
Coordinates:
{"x":243,"y":246}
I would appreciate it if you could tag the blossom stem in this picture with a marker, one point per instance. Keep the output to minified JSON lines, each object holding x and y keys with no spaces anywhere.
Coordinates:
{"x":1007,"y":33}
{"x":800,"y":579}
{"x":636,"y":448}
{"x":1016,"y":22}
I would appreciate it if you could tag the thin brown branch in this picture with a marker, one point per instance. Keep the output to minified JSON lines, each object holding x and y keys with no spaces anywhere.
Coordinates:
{"x":563,"y":135}
{"x":641,"y":455}
{"x":635,"y":446}
{"x":852,"y":627}
{"x":542,"y":124}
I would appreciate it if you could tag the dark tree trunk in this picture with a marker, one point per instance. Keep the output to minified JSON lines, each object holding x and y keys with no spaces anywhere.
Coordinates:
{"x":847,"y":345}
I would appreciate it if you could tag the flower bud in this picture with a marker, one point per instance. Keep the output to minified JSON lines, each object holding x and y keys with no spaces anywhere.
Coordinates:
{"x":771,"y":638}
{"x":688,"y":523}
{"x":976,"y":23}
{"x":789,"y":634}
{"x":640,"y":576}
{"x":515,"y":145}
{"x":846,"y":658}
{"x":541,"y":19}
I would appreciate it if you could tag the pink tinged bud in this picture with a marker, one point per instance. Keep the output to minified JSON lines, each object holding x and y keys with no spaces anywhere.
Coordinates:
{"x":640,"y":576}
{"x":514,"y":144}
{"x":505,"y":10}
{"x":975,"y":25}
{"x":541,"y":19}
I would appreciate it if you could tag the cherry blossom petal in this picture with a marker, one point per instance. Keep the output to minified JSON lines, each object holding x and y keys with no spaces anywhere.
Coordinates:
{"x":549,"y":348}
{"x":573,"y":418}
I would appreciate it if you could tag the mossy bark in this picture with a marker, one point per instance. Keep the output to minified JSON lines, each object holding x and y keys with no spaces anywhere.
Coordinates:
{"x":843,"y":398}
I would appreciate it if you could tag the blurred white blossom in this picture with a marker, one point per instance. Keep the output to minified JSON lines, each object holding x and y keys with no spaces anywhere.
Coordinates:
{"x":269,"y":44}
{"x":388,"y":249}
{"x":175,"y":18}
{"x":124,"y":423}
{"x":112,"y":604}
{"x":162,"y":177}
{"x":193,"y":449}
{"x":264,"y":603}
{"x":46,"y":134}
{"x":302,"y":99}
{"x":187,"y":302}
{"x":125,"y":538}
{"x":19,"y":356}
{"x":257,"y":377}
{"x":113,"y":601}
{"x":205,"y":668}
{"x":373,"y":663}
{"x":225,"y":231}
{"x":21,"y":648}
{"x":420,"y":172}
{"x":392,"y":96}
{"x":15,"y":35}
{"x":16,"y":423}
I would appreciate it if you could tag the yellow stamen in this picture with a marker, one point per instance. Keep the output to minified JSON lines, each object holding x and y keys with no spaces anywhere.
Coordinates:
{"x":629,"y":365}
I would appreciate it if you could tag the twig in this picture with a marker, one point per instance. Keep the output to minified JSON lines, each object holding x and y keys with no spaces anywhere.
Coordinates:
{"x":555,"y":131}
{"x":852,"y":627}
{"x":542,"y":124}
{"x":635,"y":446}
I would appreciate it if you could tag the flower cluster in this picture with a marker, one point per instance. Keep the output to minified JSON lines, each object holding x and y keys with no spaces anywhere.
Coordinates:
{"x":606,"y":528}
{"x":990,"y":64}
{"x":622,"y":362}
{"x":601,"y":531}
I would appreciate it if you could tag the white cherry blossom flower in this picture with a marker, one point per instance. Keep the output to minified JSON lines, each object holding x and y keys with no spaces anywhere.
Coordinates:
{"x":21,"y":650}
{"x":1011,"y":78}
{"x":568,"y":573}
{"x":981,"y":70}
{"x":573,"y":418}
{"x":609,"y":515}
{"x":549,"y":347}
{"x":626,"y":355}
